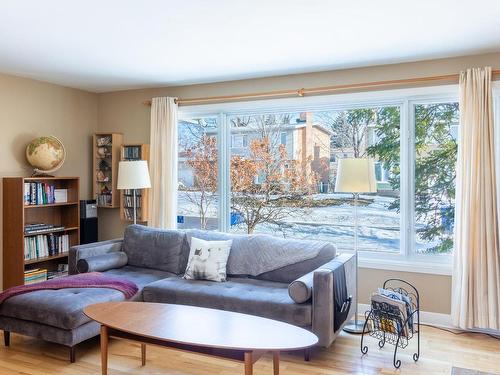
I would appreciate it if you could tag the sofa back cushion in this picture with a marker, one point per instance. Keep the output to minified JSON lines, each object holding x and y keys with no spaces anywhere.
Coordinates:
{"x":292,"y":272}
{"x":247,"y":255}
{"x":153,"y":248}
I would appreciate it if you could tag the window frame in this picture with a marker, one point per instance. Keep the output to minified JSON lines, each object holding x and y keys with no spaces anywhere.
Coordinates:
{"x":406,"y":99}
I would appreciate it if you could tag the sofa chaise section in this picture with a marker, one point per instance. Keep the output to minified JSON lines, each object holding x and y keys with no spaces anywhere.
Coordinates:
{"x":57,"y":315}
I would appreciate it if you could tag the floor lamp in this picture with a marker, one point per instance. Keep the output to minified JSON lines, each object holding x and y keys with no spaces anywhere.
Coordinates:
{"x":355,"y":176}
{"x":133,"y":174}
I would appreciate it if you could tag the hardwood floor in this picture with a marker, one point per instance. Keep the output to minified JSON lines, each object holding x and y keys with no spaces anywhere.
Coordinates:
{"x":439,"y":352}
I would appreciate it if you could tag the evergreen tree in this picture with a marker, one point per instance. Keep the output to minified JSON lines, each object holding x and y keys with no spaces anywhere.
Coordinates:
{"x":435,"y":160}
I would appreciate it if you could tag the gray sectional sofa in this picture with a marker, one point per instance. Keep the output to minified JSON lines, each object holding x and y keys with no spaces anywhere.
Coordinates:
{"x":302,"y":293}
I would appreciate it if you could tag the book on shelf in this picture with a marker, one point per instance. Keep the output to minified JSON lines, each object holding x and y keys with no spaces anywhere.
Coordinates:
{"x":36,"y":193}
{"x":45,"y":245}
{"x":130,"y":192}
{"x":104,"y":199}
{"x":128,"y":201}
{"x":131,"y":152}
{"x":35,"y":275}
{"x":129,"y":213}
{"x":61,"y":271}
{"x":41,"y":228}
{"x":61,"y":195}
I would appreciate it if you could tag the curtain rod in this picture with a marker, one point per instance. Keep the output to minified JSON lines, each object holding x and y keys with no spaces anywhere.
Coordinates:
{"x":318,"y":90}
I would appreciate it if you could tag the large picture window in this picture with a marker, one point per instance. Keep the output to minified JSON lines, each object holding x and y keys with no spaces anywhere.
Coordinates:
{"x":436,"y":133}
{"x":198,"y":174}
{"x":278,"y":170}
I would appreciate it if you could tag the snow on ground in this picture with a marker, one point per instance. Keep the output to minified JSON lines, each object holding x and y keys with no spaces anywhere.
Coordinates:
{"x":378,"y":227}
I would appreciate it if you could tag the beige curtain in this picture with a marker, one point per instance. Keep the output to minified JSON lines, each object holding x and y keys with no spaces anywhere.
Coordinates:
{"x":476,"y":273}
{"x":163,"y":163}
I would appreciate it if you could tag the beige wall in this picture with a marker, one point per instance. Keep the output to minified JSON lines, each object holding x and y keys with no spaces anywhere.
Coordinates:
{"x":124,"y":112}
{"x":29,"y":109}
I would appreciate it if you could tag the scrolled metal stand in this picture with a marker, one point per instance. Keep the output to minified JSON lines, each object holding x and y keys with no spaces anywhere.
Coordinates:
{"x":388,"y":325}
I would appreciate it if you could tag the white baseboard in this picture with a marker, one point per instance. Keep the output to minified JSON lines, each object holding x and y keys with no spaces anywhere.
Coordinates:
{"x":439,"y":320}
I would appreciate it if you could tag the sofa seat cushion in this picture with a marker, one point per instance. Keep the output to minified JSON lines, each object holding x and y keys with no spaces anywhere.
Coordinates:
{"x":244,"y":295}
{"x":63,"y":308}
{"x":140,"y":276}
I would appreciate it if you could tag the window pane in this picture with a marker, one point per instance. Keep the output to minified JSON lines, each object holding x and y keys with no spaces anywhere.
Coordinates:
{"x":436,"y":133}
{"x":197,"y":172}
{"x":283,"y":182}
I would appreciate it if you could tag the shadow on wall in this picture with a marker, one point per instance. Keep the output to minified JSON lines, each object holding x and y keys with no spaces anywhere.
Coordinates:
{"x":18,"y":149}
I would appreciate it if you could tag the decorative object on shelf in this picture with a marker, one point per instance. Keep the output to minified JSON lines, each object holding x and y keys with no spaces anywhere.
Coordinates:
{"x":46,"y":155}
{"x":101,"y":177}
{"x":133,"y":174}
{"x":394,"y":317}
{"x":102,"y":151}
{"x":106,"y":154}
{"x":105,"y":140}
{"x":355,"y":176}
{"x":104,"y":166}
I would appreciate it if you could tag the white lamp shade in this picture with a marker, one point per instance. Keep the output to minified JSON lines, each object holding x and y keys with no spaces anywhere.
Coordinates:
{"x":355,"y":176}
{"x":133,"y":174}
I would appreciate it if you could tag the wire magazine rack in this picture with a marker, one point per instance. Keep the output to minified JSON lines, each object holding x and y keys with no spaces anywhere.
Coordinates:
{"x":388,"y":324}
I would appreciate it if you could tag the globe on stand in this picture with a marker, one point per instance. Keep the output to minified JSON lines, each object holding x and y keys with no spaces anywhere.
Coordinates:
{"x":46,"y":155}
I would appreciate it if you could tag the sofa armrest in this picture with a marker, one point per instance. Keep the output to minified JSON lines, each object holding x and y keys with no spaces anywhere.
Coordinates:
{"x":86,"y":251}
{"x":323,"y":297}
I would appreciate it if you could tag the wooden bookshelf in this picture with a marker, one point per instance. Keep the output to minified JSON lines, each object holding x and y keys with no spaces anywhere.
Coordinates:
{"x":135,"y":151}
{"x":17,"y":214}
{"x":106,"y":155}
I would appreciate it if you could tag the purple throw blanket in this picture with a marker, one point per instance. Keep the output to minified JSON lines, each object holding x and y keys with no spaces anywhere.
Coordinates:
{"x":83,"y":280}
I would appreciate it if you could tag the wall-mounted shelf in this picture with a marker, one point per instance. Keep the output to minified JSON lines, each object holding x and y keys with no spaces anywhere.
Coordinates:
{"x":106,"y":154}
{"x":138,"y":151}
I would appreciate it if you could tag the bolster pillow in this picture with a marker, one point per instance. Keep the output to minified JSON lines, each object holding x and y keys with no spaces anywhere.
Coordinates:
{"x":300,"y":290}
{"x":104,"y":262}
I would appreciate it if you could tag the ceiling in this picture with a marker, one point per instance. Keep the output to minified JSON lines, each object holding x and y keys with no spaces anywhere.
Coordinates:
{"x":106,"y":45}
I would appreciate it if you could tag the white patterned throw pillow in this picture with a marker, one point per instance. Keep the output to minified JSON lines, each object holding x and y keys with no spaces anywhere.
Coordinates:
{"x":207,"y":260}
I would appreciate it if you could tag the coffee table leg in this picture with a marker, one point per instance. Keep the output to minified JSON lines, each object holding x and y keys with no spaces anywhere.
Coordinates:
{"x":104,"y":350}
{"x":276,"y":363}
{"x":248,"y":363}
{"x":143,"y":354}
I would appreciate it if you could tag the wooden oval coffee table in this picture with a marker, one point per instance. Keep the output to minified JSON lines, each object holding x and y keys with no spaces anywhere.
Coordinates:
{"x":219,"y":333}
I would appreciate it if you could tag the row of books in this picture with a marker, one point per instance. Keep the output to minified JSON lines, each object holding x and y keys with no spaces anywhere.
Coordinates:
{"x":41,"y":228}
{"x":42,"y":193}
{"x":62,"y":270}
{"x":44,"y":245}
{"x":128,"y":201}
{"x":104,"y":199}
{"x":130,"y":192}
{"x":132,"y":152}
{"x":129,"y":213}
{"x":393,"y":309}
{"x":35,"y":276}
{"x":41,"y":274}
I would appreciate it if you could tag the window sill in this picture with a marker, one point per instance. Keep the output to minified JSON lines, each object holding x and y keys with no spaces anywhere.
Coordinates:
{"x":415,"y":266}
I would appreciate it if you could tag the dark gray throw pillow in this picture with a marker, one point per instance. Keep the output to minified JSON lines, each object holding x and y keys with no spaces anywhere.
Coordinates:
{"x":104,"y":262}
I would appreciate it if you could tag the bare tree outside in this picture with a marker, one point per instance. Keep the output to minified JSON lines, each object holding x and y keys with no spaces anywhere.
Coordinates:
{"x":200,"y":151}
{"x":267,"y":183}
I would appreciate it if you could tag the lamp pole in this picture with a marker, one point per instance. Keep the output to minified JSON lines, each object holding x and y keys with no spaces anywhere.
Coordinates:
{"x":135,"y":207}
{"x":356,"y":326}
{"x":355,"y":175}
